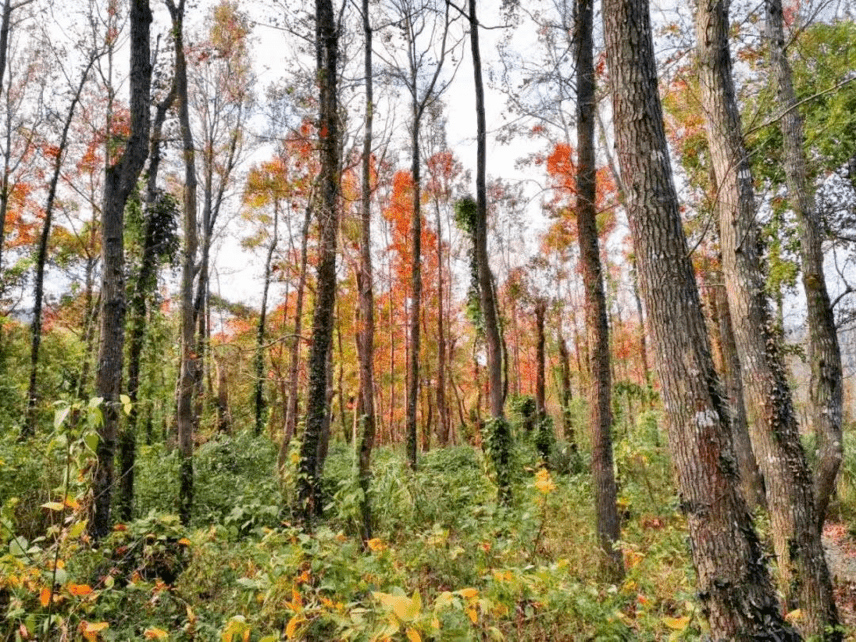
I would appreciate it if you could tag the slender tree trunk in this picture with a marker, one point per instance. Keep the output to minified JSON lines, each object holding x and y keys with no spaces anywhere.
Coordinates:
{"x":119,"y":181}
{"x":442,"y":404}
{"x":259,"y":396}
{"x":293,"y":407}
{"x":734,"y":588}
{"x":600,"y":402}
{"x":325,"y":291}
{"x":567,"y":423}
{"x":42,"y":257}
{"x":500,"y":429}
{"x":824,"y":354}
{"x":540,"y":359}
{"x":365,"y":338}
{"x":185,"y":415}
{"x":143,"y":287}
{"x":413,"y":378}
{"x":751,"y":482}
{"x":803,"y":573}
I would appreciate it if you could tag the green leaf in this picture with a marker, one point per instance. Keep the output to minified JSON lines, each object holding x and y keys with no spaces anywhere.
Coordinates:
{"x":60,"y":416}
{"x":91,"y":440}
{"x":76,"y":529}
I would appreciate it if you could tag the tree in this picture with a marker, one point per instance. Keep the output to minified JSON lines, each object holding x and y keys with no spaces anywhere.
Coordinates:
{"x":185,"y":415}
{"x":733,"y":584}
{"x":772,"y":421}
{"x":824,"y":355}
{"x":499,"y":430}
{"x":600,"y":404}
{"x":365,"y":340}
{"x":327,"y":51}
{"x":419,"y":20}
{"x":120,"y":180}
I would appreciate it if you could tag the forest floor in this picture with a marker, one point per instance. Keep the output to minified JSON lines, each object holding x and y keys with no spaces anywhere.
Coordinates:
{"x":840,"y":548}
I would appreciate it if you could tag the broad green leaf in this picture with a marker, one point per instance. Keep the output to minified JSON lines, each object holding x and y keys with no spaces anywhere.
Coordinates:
{"x":60,"y":416}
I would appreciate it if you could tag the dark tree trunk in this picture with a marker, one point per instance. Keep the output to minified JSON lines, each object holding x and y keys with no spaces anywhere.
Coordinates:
{"x":259,"y":396}
{"x":415,"y":292}
{"x":327,"y":39}
{"x":540,"y":360}
{"x":143,"y":287}
{"x":803,"y":573}
{"x":443,"y":419}
{"x":734,"y":588}
{"x":365,"y":338}
{"x":567,"y":423}
{"x":185,"y":415}
{"x":42,"y":256}
{"x":600,"y":402}
{"x":824,"y":354}
{"x":119,"y":181}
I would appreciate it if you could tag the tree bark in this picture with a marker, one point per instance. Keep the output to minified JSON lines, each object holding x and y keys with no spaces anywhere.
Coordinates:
{"x":803,"y":573}
{"x":327,"y":42}
{"x":824,"y":354}
{"x":600,"y":402}
{"x":734,"y":588}
{"x":415,"y":288}
{"x":540,"y":359}
{"x":365,"y":338}
{"x":565,"y":363}
{"x":185,"y":415}
{"x":119,"y":181}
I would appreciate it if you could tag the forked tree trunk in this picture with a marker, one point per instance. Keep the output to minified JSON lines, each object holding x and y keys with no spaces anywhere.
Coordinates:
{"x":824,"y":354}
{"x":803,"y":573}
{"x":600,"y":402}
{"x":119,"y":181}
{"x":734,"y":588}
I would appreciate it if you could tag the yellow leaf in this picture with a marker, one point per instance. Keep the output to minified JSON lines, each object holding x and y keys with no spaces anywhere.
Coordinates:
{"x":71,"y":503}
{"x":413,"y":635}
{"x":184,"y":541}
{"x":405,"y":608}
{"x":468,"y":593}
{"x":794,"y":615}
{"x":45,"y":596}
{"x":155,"y":634}
{"x":473,"y":615}
{"x":90,"y":630}
{"x":677,"y":623}
{"x":291,"y":627}
{"x":53,"y":505}
{"x":79,"y":589}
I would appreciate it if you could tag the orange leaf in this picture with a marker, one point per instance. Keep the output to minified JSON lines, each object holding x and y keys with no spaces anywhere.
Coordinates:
{"x":45,"y":596}
{"x":79,"y":589}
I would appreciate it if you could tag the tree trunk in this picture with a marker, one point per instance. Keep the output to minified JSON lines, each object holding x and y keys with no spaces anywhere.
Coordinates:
{"x":734,"y":588}
{"x":259,"y":396}
{"x":415,"y":294}
{"x":325,"y":292}
{"x":567,"y":423}
{"x":750,"y":477}
{"x":119,"y":181}
{"x":772,"y":421}
{"x":540,"y":359}
{"x":442,"y":404}
{"x":42,"y":257}
{"x":600,"y":402}
{"x":293,"y":407}
{"x":185,"y":415}
{"x":499,"y":426}
{"x":365,"y":338}
{"x":143,"y":287}
{"x":824,"y":355}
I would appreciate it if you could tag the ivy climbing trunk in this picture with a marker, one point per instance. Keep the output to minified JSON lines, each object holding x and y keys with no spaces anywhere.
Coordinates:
{"x":119,"y":181}
{"x":185,"y":415}
{"x":803,"y":573}
{"x":824,"y":354}
{"x":734,"y":588}
{"x":327,"y":51}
